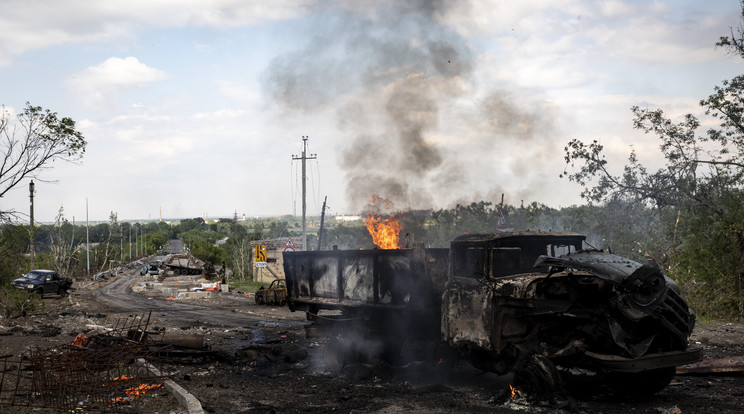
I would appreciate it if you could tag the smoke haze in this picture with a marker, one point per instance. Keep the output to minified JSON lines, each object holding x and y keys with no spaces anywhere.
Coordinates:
{"x":421,"y":132}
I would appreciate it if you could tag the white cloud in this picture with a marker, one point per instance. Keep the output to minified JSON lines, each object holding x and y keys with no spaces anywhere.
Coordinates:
{"x":237,"y":91}
{"x":219,"y":114}
{"x":119,"y":72}
{"x":44,"y":23}
{"x":97,"y":84}
{"x":592,"y":33}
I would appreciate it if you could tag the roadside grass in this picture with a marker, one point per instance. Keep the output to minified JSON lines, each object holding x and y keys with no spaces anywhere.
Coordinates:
{"x":705,"y":320}
{"x":245,"y":285}
{"x":18,"y":301}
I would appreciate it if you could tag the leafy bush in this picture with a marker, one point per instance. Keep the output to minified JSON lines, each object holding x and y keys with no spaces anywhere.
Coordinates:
{"x":14,"y":301}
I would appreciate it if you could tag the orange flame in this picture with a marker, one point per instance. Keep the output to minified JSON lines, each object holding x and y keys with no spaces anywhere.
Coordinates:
{"x":122,"y":377}
{"x":513,"y":391}
{"x":135,"y":392}
{"x":140,"y":390}
{"x":385,"y":232}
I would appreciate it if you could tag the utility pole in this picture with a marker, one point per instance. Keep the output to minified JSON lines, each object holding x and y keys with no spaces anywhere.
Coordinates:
{"x":31,"y":231}
{"x":321,"y":230}
{"x":130,"y":241}
{"x":304,"y":158}
{"x":87,"y":239}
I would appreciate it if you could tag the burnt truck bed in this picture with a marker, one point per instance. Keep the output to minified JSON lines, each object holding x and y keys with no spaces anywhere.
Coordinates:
{"x":356,"y":281}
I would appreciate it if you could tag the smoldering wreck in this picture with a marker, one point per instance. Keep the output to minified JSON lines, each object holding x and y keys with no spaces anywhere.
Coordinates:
{"x":540,"y":305}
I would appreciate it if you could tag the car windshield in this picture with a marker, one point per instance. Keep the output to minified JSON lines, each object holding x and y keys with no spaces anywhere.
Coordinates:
{"x":33,"y":276}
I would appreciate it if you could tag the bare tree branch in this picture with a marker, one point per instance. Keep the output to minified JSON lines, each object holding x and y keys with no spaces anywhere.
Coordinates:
{"x":31,"y":142}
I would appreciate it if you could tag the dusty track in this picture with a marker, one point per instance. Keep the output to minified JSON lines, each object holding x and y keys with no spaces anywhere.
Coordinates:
{"x":118,"y":297}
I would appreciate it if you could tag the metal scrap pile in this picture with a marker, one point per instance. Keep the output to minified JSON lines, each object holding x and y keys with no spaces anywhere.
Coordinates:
{"x":102,"y":372}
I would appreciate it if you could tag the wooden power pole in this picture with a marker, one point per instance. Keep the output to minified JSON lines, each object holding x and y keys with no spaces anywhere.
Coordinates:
{"x":304,"y":158}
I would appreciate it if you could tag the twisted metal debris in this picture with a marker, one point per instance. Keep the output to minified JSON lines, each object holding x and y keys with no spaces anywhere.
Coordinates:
{"x":102,"y":373}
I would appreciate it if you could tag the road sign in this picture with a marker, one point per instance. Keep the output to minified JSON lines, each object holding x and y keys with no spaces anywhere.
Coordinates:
{"x":260,"y":253}
{"x":289,"y":246}
{"x":261,"y":264}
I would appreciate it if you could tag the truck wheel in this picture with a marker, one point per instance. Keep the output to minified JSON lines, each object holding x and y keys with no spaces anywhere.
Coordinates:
{"x":312,"y":313}
{"x":336,"y":354}
{"x":537,"y":375}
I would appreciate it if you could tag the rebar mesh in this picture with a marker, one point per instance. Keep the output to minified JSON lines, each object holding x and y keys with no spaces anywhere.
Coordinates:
{"x":101,"y":373}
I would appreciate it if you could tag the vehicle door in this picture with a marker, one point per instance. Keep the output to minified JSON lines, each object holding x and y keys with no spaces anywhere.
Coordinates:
{"x":51,"y":284}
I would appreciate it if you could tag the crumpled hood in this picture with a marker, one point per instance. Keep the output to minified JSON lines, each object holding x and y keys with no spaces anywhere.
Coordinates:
{"x":24,"y":281}
{"x":604,"y":265}
{"x":641,"y":290}
{"x":644,"y":286}
{"x":607,"y":266}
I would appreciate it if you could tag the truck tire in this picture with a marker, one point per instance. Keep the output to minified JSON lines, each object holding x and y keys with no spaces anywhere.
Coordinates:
{"x":336,"y":354}
{"x":537,"y":375}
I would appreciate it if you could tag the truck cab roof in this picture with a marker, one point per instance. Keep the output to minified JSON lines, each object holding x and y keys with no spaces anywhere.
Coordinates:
{"x":505,"y":237}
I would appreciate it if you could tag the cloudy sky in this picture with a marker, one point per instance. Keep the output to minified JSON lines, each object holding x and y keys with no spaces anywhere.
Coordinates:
{"x":196,"y":108}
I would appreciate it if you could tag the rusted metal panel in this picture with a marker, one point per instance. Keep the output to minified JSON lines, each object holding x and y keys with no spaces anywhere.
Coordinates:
{"x":467,"y":316}
{"x":646,"y":362}
{"x":713,"y":366}
{"x":360,"y":278}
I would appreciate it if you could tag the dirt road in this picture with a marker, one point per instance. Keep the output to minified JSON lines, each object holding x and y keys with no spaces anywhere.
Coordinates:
{"x":263,"y":362}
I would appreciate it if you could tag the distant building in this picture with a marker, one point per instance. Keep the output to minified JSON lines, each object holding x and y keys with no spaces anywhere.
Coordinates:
{"x":348,"y":218}
{"x":273,"y":267}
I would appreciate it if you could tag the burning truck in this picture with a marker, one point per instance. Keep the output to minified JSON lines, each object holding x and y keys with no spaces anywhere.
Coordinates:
{"x":538,"y":304}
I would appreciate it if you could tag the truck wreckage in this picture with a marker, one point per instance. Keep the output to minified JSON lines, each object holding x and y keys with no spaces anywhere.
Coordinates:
{"x":183,"y":264}
{"x":537,"y":304}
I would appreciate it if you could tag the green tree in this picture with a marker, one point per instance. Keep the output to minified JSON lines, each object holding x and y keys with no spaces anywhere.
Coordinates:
{"x":62,"y":245}
{"x":278,"y":229}
{"x":13,"y":244}
{"x":31,"y":142}
{"x":696,"y":196}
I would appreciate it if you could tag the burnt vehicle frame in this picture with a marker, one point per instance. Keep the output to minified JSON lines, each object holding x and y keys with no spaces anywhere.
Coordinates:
{"x":274,"y":294}
{"x":535,"y":303}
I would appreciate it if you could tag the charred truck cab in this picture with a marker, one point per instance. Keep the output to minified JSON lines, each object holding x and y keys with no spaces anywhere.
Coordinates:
{"x":533,"y":303}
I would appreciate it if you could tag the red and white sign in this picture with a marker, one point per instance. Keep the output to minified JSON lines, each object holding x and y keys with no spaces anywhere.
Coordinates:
{"x":289,"y":246}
